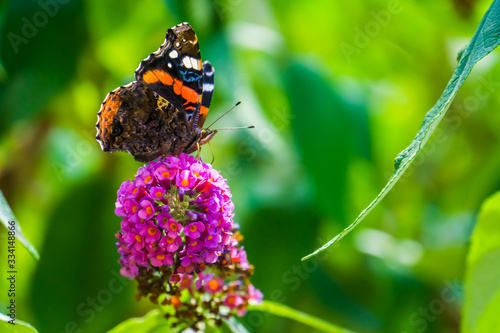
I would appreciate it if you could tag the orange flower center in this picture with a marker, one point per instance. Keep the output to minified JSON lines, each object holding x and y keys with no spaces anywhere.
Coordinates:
{"x":160,"y":257}
{"x":149,"y":210}
{"x":176,"y":302}
{"x":213,"y":285}
{"x":173,"y":226}
{"x":194,"y":243}
{"x":135,"y":190}
{"x":165,"y":174}
{"x":158,"y":194}
{"x":138,"y":238}
{"x":196,"y":174}
{"x":231,"y":300}
{"x":134,"y":209}
{"x":152,"y":231}
{"x":193,"y":228}
{"x":185,"y":282}
{"x":147,"y":179}
{"x":184,"y":182}
{"x":170,"y":240}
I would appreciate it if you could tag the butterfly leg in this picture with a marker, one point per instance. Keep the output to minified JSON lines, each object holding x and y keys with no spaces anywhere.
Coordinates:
{"x":198,"y":149}
{"x":213,"y":155}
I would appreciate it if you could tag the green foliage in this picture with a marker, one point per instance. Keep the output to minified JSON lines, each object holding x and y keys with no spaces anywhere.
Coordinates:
{"x":333,"y":114}
{"x":335,"y":90}
{"x":485,"y":40}
{"x":19,"y":327}
{"x":153,"y":321}
{"x":286,"y":312}
{"x":235,"y":326}
{"x":28,"y":31}
{"x":482,"y":281}
{"x":7,"y":217}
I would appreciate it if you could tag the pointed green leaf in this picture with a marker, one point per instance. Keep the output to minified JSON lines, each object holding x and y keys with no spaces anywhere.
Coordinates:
{"x":6,"y":216}
{"x":153,"y":321}
{"x":301,"y":317}
{"x":485,"y":40}
{"x":482,"y":277}
{"x":19,"y":326}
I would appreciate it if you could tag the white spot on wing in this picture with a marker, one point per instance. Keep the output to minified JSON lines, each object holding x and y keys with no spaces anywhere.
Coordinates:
{"x":173,"y":54}
{"x":190,"y":62}
{"x":196,"y":63}
{"x":187,"y":62}
{"x":208,"y":87}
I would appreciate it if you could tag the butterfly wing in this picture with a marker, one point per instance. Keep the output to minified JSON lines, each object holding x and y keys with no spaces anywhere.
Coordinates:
{"x":207,"y":92}
{"x":163,"y":111}
{"x":175,"y":71}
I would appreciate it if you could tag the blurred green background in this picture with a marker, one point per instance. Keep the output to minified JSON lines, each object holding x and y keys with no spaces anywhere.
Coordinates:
{"x":336,"y":90}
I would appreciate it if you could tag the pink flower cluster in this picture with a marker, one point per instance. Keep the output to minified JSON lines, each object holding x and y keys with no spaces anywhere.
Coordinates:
{"x":176,"y":212}
{"x":179,"y":242}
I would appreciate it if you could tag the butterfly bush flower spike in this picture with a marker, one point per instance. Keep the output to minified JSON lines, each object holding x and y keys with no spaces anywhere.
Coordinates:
{"x":178,"y":240}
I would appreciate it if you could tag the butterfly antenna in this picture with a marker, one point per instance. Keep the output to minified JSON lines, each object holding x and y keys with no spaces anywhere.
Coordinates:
{"x":231,"y":109}
{"x":234,"y":128}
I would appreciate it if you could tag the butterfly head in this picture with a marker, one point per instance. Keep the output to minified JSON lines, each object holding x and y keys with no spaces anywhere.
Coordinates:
{"x":206,"y":135}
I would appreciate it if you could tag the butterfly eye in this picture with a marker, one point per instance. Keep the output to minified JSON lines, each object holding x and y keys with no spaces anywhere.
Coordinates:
{"x":117,"y":129}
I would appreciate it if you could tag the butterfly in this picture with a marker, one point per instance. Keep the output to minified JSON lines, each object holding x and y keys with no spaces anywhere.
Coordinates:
{"x":162,"y":112}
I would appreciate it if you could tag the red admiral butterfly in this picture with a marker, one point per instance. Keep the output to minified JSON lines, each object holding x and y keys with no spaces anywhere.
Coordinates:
{"x":162,"y":113}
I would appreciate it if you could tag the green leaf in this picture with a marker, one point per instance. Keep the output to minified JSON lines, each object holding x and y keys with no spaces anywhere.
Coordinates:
{"x":485,"y":40}
{"x":234,"y":325}
{"x":29,"y":36}
{"x":308,"y":89}
{"x":301,"y":317}
{"x":19,"y":326}
{"x":75,"y":247}
{"x":482,"y":277}
{"x":153,"y":321}
{"x":7,"y":215}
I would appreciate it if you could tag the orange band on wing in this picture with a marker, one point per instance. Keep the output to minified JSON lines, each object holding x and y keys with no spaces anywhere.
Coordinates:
{"x":149,"y":77}
{"x":164,"y":77}
{"x":157,"y":75}
{"x":189,"y":95}
{"x":203,"y":111}
{"x":177,"y":87}
{"x":108,"y":111}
